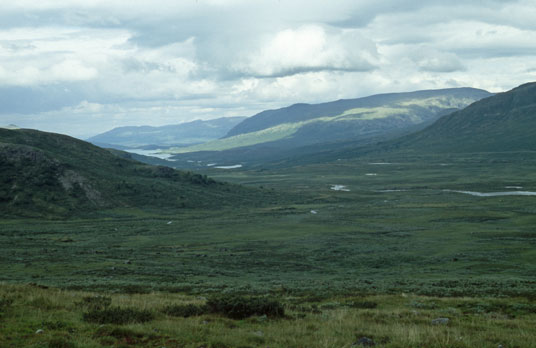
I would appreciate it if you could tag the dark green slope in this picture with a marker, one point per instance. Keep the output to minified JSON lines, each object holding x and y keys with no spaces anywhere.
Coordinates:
{"x":52,"y":175}
{"x":504,"y":122}
{"x":303,"y":112}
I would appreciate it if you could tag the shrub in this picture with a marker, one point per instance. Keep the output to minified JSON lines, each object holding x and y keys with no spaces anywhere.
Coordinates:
{"x":185,"y":311}
{"x":5,"y":303}
{"x":238,"y":307}
{"x":60,"y":342}
{"x":423,"y":305}
{"x":362,"y":305}
{"x":135,"y":289}
{"x":53,"y":325}
{"x":95,"y":302}
{"x":116,"y":332}
{"x":116,"y":315}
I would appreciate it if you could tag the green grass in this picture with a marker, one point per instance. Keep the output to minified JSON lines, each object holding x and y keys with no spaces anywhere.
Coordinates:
{"x":414,"y":237}
{"x":40,"y":317}
{"x":380,"y":261}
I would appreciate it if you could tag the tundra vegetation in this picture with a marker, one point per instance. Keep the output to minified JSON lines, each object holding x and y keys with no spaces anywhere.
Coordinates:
{"x":381,"y":261}
{"x":401,"y":258}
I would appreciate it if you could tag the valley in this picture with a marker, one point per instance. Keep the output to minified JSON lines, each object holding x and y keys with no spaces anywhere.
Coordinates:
{"x":404,"y":229}
{"x":267,"y":174}
{"x":406,"y":242}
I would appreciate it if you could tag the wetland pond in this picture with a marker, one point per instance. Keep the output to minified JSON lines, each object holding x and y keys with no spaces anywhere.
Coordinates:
{"x":495,"y":194}
{"x":339,"y":188}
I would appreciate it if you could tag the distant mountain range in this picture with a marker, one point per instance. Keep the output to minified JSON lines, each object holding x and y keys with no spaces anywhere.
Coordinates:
{"x":308,"y":128}
{"x":51,"y":175}
{"x":182,"y":134}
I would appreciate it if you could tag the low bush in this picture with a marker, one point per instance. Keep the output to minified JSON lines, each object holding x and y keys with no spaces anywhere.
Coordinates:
{"x":53,"y":325}
{"x":119,"y":316}
{"x":60,"y":342}
{"x":510,"y":309}
{"x":362,"y":304}
{"x":238,"y":307}
{"x":136,"y":289}
{"x":185,"y":311}
{"x":423,"y":305}
{"x":95,"y":302}
{"x":116,"y":332}
{"x":5,"y":303}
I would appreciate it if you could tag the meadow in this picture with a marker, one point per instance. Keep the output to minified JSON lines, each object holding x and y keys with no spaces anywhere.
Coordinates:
{"x":398,"y":238}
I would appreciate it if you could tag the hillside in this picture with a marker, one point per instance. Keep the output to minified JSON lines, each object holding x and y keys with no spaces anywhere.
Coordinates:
{"x":178,"y":135}
{"x":419,"y":102}
{"x":504,"y":122}
{"x":304,"y":126}
{"x":45,"y":174}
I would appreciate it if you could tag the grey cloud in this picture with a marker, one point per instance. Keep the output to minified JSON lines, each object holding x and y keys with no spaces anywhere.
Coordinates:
{"x":441,"y":66}
{"x":497,"y":52}
{"x":27,"y":100}
{"x":304,"y":70}
{"x":228,"y":68}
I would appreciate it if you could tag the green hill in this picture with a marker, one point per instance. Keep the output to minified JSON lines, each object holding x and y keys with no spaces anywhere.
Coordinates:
{"x":419,"y":105}
{"x":504,"y":122}
{"x":45,"y":174}
{"x":274,"y":134}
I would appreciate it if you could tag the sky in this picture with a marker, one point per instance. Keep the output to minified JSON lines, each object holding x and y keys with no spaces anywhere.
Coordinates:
{"x":82,"y":67}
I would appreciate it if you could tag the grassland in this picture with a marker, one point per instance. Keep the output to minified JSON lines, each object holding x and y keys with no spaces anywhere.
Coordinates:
{"x":394,"y":233}
{"x":31,"y":316}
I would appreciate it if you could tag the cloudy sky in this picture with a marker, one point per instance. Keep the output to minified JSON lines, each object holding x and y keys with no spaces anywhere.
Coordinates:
{"x":82,"y":67}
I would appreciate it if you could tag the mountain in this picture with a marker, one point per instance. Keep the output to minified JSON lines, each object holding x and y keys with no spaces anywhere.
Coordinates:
{"x":504,"y":122}
{"x":10,"y":126}
{"x":305,"y":128}
{"x":416,"y":106}
{"x":52,"y":175}
{"x":177,"y":135}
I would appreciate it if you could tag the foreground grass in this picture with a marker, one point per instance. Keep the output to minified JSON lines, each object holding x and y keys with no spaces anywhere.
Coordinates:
{"x":31,"y":316}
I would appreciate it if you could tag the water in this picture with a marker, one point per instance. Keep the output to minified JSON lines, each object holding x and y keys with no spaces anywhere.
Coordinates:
{"x":495,"y":194}
{"x":339,"y":188}
{"x":153,"y":153}
{"x":229,"y":167}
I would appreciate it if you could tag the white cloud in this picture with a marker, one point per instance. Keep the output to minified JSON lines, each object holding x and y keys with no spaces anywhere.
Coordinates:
{"x":38,"y":56}
{"x":166,"y":61}
{"x":310,"y":48}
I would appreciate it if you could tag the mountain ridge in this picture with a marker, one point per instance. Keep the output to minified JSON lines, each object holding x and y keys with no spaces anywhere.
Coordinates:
{"x":362,"y":120}
{"x":505,"y":121}
{"x":304,"y":111}
{"x":502,"y":123}
{"x":182,"y":134}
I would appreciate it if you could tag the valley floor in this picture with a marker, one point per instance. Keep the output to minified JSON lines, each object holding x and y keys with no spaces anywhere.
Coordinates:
{"x":398,"y":228}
